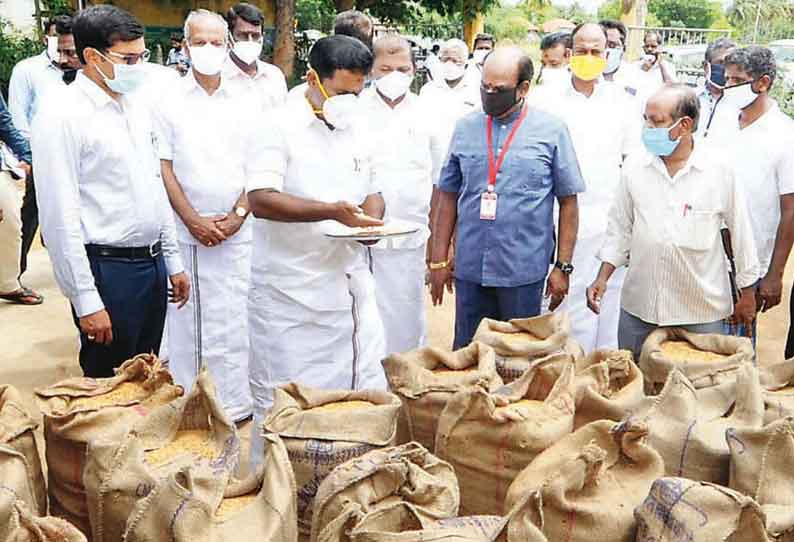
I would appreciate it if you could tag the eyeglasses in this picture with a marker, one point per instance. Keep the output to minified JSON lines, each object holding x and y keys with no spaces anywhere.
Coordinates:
{"x":131,"y":59}
{"x":71,"y":53}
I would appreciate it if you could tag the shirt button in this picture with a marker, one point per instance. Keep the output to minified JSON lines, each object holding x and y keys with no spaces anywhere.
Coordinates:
{"x":504,"y":126}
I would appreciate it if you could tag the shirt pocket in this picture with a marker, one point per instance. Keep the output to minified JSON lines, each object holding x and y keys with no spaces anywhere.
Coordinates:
{"x":698,"y":229}
{"x":526,"y":172}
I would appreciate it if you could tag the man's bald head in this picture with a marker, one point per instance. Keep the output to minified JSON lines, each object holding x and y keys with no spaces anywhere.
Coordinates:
{"x":587,"y":33}
{"x":671,"y":104}
{"x":507,"y":66}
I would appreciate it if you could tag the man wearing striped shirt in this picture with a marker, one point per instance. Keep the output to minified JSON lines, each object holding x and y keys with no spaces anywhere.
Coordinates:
{"x":671,"y":205}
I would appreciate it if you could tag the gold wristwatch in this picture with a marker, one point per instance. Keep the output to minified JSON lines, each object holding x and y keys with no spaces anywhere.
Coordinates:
{"x":437,"y":266}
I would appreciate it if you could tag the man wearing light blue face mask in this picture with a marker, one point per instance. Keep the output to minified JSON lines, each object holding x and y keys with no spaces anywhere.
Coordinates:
{"x":103,"y":208}
{"x":667,"y":218}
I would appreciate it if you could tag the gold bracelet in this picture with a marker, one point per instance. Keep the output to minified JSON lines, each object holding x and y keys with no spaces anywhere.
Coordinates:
{"x":437,"y":266}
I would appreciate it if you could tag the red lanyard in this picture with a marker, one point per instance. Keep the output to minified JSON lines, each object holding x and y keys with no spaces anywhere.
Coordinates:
{"x":494,"y":165}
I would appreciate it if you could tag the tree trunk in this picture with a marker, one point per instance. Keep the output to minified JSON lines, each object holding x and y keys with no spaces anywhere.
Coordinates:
{"x":344,"y":5}
{"x":284,"y":49}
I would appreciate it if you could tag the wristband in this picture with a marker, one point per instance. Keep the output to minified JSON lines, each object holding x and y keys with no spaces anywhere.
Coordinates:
{"x":437,"y":266}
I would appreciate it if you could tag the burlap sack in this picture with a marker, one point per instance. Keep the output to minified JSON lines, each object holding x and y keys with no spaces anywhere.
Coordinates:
{"x":17,"y":439}
{"x":19,"y":524}
{"x":586,"y":486}
{"x":518,"y":342}
{"x":688,"y":427}
{"x":426,"y":379}
{"x":319,"y":441}
{"x":122,"y":469}
{"x":657,"y":367}
{"x":70,"y":422}
{"x":609,"y":386}
{"x":267,"y":507}
{"x":365,"y":490}
{"x":490,"y":437}
{"x":777,"y":381}
{"x":678,"y":510}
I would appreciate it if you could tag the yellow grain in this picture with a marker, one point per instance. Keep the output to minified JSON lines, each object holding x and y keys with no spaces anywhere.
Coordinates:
{"x":343,"y":405}
{"x":683,"y":351}
{"x":519,"y":338}
{"x":231,"y":506}
{"x":190,"y":441}
{"x":123,"y":394}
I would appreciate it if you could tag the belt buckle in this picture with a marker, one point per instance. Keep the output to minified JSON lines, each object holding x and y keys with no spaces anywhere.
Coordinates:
{"x":154,"y":250}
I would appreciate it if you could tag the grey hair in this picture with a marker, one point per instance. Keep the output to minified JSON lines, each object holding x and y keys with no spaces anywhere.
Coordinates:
{"x":755,"y":60}
{"x":458,"y":44}
{"x":201,"y":13}
{"x":650,"y":33}
{"x":720,"y":45}
{"x":688,"y":104}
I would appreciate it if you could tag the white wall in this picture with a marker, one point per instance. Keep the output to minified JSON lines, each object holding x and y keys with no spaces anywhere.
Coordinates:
{"x":20,"y":14}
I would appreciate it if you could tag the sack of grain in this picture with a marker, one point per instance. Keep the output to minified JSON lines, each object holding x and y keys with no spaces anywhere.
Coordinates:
{"x":609,"y":386}
{"x":586,"y":486}
{"x":777,"y":381}
{"x":19,"y":524}
{"x":261,"y":507}
{"x":518,"y":342}
{"x":490,"y":436}
{"x":678,"y":509}
{"x":79,"y":410}
{"x":357,"y":491}
{"x":688,"y":426}
{"x":706,"y":360}
{"x":17,"y":441}
{"x":192,"y":432}
{"x":425,"y":379}
{"x":322,"y":429}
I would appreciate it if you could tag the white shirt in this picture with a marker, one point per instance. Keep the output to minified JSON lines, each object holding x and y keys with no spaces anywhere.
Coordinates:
{"x":308,"y":160}
{"x":269,"y":83}
{"x":98,"y":182}
{"x":764,"y":163}
{"x":30,"y":80}
{"x":604,"y":128}
{"x":668,"y":232}
{"x":648,"y":82}
{"x":719,"y":121}
{"x":407,"y":161}
{"x":214,"y":144}
{"x":450,"y":104}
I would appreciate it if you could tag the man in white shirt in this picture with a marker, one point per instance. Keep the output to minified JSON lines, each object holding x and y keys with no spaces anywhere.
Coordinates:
{"x":667,"y":218}
{"x":483,"y":45}
{"x":205,"y":178}
{"x":244,"y":67}
{"x":104,"y":212}
{"x":313,"y":312}
{"x":555,"y":54}
{"x":407,"y":160}
{"x":604,"y":128}
{"x":718,"y":118}
{"x":764,"y":161}
{"x":652,"y":70}
{"x":618,"y":70}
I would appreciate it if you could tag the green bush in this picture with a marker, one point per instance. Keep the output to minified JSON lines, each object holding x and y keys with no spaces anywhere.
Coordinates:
{"x":13,"y":48}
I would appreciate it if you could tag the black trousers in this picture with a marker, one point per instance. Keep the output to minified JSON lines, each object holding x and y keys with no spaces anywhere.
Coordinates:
{"x":135,"y":295}
{"x":30,"y":222}
{"x":790,"y":340}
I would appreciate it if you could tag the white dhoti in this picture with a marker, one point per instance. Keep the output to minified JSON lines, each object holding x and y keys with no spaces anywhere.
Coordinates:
{"x":212,"y":328}
{"x":400,"y":291}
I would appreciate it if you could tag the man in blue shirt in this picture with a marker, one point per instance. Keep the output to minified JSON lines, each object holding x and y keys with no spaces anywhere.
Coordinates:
{"x":497,"y":190}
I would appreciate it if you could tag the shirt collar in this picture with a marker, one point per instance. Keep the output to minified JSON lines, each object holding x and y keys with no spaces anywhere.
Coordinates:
{"x":697,"y":160}
{"x":303,"y":112}
{"x":233,"y":70}
{"x":371,"y":93}
{"x":94,"y":92}
{"x":191,"y":85}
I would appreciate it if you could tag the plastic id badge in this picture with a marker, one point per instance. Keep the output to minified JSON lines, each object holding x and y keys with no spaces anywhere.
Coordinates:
{"x":488,"y":206}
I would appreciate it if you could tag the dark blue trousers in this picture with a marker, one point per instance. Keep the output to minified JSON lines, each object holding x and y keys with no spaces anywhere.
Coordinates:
{"x":135,"y":295}
{"x":473,"y":302}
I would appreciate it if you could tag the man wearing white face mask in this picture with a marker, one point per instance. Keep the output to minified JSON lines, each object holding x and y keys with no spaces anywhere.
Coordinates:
{"x":205,"y":178}
{"x":104,"y":212}
{"x":408,"y":159}
{"x":264,"y":80}
{"x":312,"y":309}
{"x":483,"y":45}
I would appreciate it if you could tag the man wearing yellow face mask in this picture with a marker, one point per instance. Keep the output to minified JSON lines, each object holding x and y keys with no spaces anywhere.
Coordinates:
{"x":313,"y":315}
{"x":601,"y":120}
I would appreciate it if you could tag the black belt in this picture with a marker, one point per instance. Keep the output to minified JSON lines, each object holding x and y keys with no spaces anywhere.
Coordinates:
{"x":130,"y":253}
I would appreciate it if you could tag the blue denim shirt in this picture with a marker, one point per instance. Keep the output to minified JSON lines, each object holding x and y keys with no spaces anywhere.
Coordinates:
{"x":541,"y":165}
{"x":11,"y":136}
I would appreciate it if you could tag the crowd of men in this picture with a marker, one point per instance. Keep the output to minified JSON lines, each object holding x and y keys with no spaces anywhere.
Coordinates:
{"x":595,"y":186}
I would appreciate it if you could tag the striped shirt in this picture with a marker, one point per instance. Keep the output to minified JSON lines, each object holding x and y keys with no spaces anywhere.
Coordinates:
{"x":669,"y":228}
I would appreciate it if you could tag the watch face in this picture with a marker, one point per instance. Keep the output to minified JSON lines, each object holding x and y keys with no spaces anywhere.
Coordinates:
{"x":240,"y":212}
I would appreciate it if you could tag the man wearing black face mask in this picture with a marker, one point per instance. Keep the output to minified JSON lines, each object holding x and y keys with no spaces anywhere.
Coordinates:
{"x":718,"y":118}
{"x":497,"y":188}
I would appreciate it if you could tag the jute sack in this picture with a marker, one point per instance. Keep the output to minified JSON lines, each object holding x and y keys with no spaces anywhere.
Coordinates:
{"x":706,"y":360}
{"x":777,"y":381}
{"x":688,"y":427}
{"x":17,"y":439}
{"x":678,"y":509}
{"x":192,"y":432}
{"x":262,"y":507}
{"x":490,"y":437}
{"x":322,"y":429}
{"x":19,"y":524}
{"x":585,"y":487}
{"x":355,"y":494}
{"x":427,"y":378}
{"x":78,"y":410}
{"x":518,"y":342}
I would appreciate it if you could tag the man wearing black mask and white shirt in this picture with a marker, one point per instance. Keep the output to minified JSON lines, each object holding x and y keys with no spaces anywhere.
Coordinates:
{"x":717,"y":116}
{"x":104,"y":212}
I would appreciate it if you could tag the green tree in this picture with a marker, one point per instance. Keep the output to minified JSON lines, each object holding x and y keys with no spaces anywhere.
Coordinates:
{"x":508,"y":23}
{"x":610,"y":10}
{"x":315,"y":14}
{"x":13,"y":48}
{"x":683,"y":13}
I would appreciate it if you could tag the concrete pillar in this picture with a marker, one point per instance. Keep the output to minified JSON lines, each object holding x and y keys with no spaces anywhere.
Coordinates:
{"x":635,"y":16}
{"x":472,"y":27}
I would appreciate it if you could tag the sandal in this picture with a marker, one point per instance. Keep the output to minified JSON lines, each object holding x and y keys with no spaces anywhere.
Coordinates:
{"x":23,"y":296}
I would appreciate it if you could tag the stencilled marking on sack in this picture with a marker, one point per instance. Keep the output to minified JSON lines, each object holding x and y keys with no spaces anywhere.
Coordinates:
{"x":665,"y":494}
{"x":687,"y":438}
{"x":177,"y":513}
{"x":730,"y":435}
{"x":229,"y":457}
{"x":143,"y":489}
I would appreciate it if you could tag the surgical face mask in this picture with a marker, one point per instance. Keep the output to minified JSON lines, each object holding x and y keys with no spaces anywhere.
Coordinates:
{"x":614,"y":58}
{"x":339,"y":111}
{"x":717,"y":75}
{"x":741,"y":96}
{"x":126,"y":78}
{"x":497,"y":103}
{"x":658,"y":142}
{"x":248,"y":51}
{"x":554,"y":76}
{"x":207,"y":59}
{"x":587,"y":67}
{"x":479,"y":55}
{"x":394,"y":85}
{"x":452,"y":71}
{"x":52,"y":48}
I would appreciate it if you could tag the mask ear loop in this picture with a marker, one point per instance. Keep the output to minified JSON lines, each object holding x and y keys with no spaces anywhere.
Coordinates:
{"x":322,"y":90}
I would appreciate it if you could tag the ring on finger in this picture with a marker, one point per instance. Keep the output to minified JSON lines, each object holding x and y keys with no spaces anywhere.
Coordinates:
{"x":91,"y":337}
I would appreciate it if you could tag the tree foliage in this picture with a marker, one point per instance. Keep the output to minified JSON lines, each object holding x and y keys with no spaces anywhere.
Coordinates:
{"x":685,"y":13}
{"x":13,"y":48}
